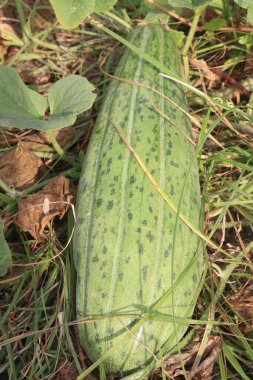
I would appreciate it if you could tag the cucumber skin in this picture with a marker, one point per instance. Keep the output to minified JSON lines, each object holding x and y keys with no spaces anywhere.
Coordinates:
{"x":123,"y":238}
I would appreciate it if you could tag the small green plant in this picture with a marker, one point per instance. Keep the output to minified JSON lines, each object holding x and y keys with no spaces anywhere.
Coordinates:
{"x":24,"y":108}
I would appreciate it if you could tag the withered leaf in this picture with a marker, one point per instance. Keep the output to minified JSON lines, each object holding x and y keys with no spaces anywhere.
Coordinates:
{"x":173,"y":365}
{"x":41,"y":139}
{"x":66,"y":371}
{"x":20,"y":168}
{"x":200,"y":64}
{"x":37,"y":210}
{"x":243,"y":304}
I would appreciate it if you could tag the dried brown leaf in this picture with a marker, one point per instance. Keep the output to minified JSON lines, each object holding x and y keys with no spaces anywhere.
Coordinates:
{"x":66,"y":371}
{"x":201,"y":65}
{"x":31,"y":72}
{"x":41,"y":139}
{"x":173,"y":365}
{"x":243,"y":304}
{"x":37,"y":210}
{"x":20,"y":168}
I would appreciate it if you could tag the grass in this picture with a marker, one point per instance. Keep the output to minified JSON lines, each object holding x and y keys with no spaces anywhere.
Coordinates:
{"x":37,"y":312}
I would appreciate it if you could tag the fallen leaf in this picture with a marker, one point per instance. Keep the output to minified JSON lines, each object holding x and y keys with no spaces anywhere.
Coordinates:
{"x":37,"y":140}
{"x":173,"y":365}
{"x":66,"y":371}
{"x":37,"y":210}
{"x":20,"y":168}
{"x":243,"y":304}
{"x":201,"y":65}
{"x":31,"y":72}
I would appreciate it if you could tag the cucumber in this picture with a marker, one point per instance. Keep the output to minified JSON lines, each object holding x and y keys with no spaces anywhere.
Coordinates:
{"x":126,"y":258}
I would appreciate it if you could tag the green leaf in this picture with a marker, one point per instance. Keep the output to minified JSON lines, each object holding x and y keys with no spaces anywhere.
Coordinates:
{"x":247,"y":39}
{"x":5,"y":253}
{"x":188,"y":3}
{"x":71,"y":13}
{"x":247,"y":4}
{"x":69,"y":97}
{"x":214,"y":24}
{"x":19,"y":106}
{"x":250,"y":14}
{"x":104,"y":6}
{"x":23,"y":108}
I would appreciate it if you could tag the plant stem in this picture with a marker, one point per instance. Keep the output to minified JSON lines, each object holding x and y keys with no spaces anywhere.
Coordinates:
{"x":192,"y":30}
{"x":21,"y":15}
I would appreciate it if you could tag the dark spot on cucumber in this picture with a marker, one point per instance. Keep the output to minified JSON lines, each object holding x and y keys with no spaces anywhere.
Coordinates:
{"x":127,"y":260}
{"x":144,"y":222}
{"x":99,"y":202}
{"x":159,"y":284}
{"x":104,"y":249}
{"x":172,"y":192}
{"x":166,"y":253}
{"x":150,"y":209}
{"x":132,"y":179}
{"x":103,"y":295}
{"x":120,"y":156}
{"x":187,"y":293}
{"x":110,"y":205}
{"x":116,"y":177}
{"x":194,"y":277}
{"x":105,"y":263}
{"x":151,"y":337}
{"x":95,"y":259}
{"x":129,"y":216}
{"x":151,"y":117}
{"x":174,"y":164}
{"x":131,"y":194}
{"x":140,"y":247}
{"x":104,"y":275}
{"x":121,"y":276}
{"x":138,"y":230}
{"x":153,"y":171}
{"x":168,"y":153}
{"x":112,"y":192}
{"x":145,"y":272}
{"x":150,"y":236}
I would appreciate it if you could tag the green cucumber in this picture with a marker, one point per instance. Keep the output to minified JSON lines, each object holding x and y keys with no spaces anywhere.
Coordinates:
{"x":127,"y":255}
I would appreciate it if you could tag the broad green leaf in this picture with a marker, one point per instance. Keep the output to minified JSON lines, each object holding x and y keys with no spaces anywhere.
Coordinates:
{"x":18,"y":104}
{"x":71,"y":13}
{"x":244,"y":3}
{"x":23,"y":108}
{"x":5,"y":253}
{"x":214,"y":24}
{"x":72,"y":94}
{"x":250,"y":14}
{"x":247,"y":4}
{"x":102,"y":6}
{"x":188,"y":3}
